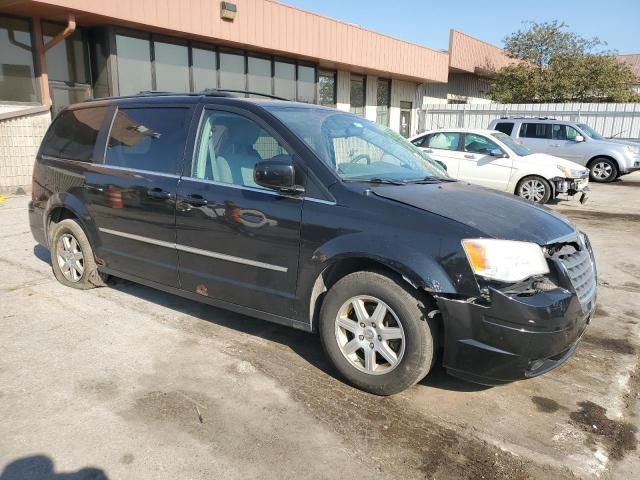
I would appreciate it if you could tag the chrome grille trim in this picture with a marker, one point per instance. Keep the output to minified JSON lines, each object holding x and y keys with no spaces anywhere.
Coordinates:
{"x":580,"y":269}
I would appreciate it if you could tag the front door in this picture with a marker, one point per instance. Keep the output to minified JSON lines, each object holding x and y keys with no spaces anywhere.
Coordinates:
{"x":564,"y":144}
{"x":131,"y":197}
{"x":478,"y":166}
{"x":405,"y":119}
{"x":445,"y":146}
{"x":236,"y":241}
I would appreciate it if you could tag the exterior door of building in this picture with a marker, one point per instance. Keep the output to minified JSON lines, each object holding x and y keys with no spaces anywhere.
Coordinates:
{"x":405,"y":119}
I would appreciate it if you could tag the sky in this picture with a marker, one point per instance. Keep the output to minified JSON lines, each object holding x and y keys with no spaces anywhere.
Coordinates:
{"x":427,"y":22}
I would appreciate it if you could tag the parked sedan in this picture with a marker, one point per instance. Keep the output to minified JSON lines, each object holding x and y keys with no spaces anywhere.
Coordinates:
{"x":494,"y":160}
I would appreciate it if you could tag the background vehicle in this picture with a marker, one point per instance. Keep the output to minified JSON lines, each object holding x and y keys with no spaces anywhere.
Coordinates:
{"x":607,"y":159}
{"x":316,"y":219}
{"x":492,"y":159}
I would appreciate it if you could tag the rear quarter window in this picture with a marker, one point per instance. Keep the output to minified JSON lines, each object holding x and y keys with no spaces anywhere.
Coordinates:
{"x":535,"y":130}
{"x":73,"y":134}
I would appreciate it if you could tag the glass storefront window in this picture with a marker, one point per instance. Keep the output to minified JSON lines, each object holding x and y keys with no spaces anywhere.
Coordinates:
{"x":17,"y":73}
{"x":232,"y":71}
{"x":383,"y":102}
{"x":358,"y":94}
{"x":68,"y":61}
{"x":284,"y":81}
{"x":172,"y":67}
{"x":134,"y":64}
{"x":306,"y":84}
{"x":327,"y":88}
{"x":205,"y":69}
{"x":259,"y":76}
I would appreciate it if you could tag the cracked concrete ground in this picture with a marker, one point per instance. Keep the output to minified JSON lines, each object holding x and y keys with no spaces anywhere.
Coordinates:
{"x":128,"y":382}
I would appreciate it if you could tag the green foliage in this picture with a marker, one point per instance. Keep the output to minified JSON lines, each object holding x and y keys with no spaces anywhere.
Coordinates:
{"x":557,"y":66}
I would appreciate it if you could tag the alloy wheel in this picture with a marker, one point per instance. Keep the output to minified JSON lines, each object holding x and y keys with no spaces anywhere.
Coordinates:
{"x":602,"y":170}
{"x":369,"y":335}
{"x":70,"y":257}
{"x":533,"y":190}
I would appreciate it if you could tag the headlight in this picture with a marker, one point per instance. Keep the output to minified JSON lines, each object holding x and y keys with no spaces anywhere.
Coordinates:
{"x":505,"y":260}
{"x":633,"y":149}
{"x":571,"y":173}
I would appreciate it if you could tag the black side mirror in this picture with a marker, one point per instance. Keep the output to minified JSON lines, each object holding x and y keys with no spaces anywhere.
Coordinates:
{"x":276,"y":175}
{"x":496,"y":152}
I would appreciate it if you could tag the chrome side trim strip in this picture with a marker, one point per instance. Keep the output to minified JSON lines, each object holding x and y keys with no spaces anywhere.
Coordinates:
{"x":230,"y":258}
{"x":196,"y":251}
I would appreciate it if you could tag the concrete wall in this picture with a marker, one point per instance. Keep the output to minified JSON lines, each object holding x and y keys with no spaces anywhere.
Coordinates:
{"x":19,"y":142}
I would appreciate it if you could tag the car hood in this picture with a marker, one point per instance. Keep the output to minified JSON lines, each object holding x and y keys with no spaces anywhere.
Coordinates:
{"x":494,"y":214}
{"x":550,"y":161}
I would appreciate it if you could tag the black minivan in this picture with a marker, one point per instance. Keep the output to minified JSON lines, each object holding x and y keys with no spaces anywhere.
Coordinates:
{"x":317,"y":219}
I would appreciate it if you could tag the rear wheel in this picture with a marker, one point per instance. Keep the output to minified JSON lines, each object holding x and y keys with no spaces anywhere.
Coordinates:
{"x":72,"y":257}
{"x":535,"y":189}
{"x":604,"y":170}
{"x":376,"y":333}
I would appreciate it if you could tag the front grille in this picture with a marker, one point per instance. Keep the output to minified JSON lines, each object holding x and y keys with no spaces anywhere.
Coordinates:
{"x":579,"y":267}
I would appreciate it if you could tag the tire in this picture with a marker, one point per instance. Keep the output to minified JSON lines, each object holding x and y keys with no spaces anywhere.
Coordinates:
{"x":535,"y":189}
{"x":410,"y":333}
{"x":603,"y":170}
{"x":72,"y":258}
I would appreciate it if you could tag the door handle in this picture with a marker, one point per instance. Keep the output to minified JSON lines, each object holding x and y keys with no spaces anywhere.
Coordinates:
{"x":196,"y":200}
{"x":159,"y":194}
{"x":470,"y":155}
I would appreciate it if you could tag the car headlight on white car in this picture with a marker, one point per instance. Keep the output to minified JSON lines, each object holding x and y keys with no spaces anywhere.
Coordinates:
{"x":635,"y":150}
{"x":505,"y":260}
{"x":573,"y":173}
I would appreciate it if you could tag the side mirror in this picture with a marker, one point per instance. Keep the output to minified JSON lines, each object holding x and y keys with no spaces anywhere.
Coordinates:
{"x":579,"y":139}
{"x":275,"y":175}
{"x":496,"y":152}
{"x":442,"y":164}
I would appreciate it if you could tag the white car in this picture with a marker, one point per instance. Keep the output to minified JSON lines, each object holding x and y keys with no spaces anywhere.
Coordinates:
{"x":494,"y":160}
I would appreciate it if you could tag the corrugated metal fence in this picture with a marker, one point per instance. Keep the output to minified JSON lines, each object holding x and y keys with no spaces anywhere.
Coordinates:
{"x":620,"y":120}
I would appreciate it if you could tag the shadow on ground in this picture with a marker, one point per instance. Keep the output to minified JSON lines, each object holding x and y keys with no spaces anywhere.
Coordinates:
{"x":40,"y":467}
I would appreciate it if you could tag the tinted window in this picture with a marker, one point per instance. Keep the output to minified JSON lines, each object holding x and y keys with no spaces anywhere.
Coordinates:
{"x":232,"y":71}
{"x":443,"y":141}
{"x":306,"y":84}
{"x":327,"y":88}
{"x":17,"y":79}
{"x":479,"y":144}
{"x":563,"y":132}
{"x":228,"y":147}
{"x":358,"y":94}
{"x":73,"y":134}
{"x":535,"y":130}
{"x":134,"y":64}
{"x":284,"y":81}
{"x":205,"y":67}
{"x":259,"y":75}
{"x":504,"y":127}
{"x":420,"y":140}
{"x":383,"y":102}
{"x":148,"y":138}
{"x":172,"y":67}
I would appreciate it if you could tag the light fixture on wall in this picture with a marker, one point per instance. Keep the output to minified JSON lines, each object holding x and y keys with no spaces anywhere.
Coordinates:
{"x":228,"y":11}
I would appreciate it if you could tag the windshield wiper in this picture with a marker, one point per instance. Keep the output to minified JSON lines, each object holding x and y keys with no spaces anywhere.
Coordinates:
{"x":387,"y":181}
{"x":431,"y":179}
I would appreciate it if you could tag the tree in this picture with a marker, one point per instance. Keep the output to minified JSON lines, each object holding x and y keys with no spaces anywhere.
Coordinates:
{"x":554,"y":65}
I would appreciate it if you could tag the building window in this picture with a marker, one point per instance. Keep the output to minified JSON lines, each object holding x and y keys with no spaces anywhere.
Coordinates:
{"x":284,"y":80}
{"x":327,"y":88}
{"x":17,"y":72}
{"x":383,"y":102}
{"x":232,"y":69}
{"x":134,"y":64}
{"x":171,"y":66}
{"x":67,"y":67}
{"x":306,"y":84}
{"x":259,"y":75}
{"x":358,"y":94}
{"x":205,"y":69}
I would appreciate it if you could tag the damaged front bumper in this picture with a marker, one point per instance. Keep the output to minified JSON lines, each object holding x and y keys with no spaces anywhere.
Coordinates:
{"x":506,"y":337}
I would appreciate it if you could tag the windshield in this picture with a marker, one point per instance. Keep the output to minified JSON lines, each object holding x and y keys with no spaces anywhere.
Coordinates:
{"x":590,"y":132}
{"x":357,"y":149}
{"x":515,"y":146}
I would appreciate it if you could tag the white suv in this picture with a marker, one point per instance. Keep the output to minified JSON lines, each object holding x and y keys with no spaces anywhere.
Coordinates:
{"x":493,"y":159}
{"x":607,"y":159}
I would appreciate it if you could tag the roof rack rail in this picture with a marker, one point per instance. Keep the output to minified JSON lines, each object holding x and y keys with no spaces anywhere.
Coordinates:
{"x":520,"y":117}
{"x":226,"y":92}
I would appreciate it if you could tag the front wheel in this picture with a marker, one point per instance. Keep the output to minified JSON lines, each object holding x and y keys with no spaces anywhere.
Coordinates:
{"x":376,"y":333}
{"x":535,"y":189}
{"x":604,"y":170}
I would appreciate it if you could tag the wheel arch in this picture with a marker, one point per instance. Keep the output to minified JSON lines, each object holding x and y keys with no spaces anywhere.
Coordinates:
{"x":608,"y":157}
{"x":531,"y":175}
{"x":66,"y":206}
